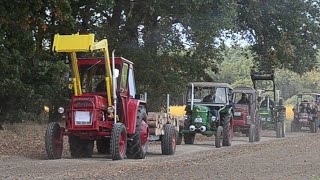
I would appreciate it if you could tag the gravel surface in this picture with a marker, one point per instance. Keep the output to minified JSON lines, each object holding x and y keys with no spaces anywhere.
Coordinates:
{"x":293,"y":157}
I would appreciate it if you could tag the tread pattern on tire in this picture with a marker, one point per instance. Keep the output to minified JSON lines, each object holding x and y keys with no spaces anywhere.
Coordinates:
{"x":218,"y":137}
{"x":226,"y":141}
{"x":80,"y":148}
{"x":134,"y":146}
{"x":51,"y":150}
{"x":167,"y":148}
{"x":252,"y":133}
{"x":117,"y":130}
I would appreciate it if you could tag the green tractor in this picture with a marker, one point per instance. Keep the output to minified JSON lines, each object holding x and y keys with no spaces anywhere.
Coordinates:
{"x":272,"y":110}
{"x":209,"y":112}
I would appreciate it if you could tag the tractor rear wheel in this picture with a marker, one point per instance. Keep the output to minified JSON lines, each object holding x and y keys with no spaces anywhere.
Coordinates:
{"x":103,"y":146}
{"x":168,"y":140}
{"x":118,"y":143}
{"x":54,"y":141}
{"x":189,"y":138}
{"x":278,"y":129}
{"x":80,"y":148}
{"x":179,"y":138}
{"x":252,"y":133}
{"x":227,"y":131}
{"x":218,"y":137}
{"x":138,"y":144}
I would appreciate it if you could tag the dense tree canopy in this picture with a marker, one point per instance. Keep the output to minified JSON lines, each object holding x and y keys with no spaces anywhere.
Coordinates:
{"x":170,"y":42}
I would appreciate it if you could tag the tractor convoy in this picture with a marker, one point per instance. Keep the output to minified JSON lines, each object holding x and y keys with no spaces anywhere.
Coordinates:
{"x":106,"y":113}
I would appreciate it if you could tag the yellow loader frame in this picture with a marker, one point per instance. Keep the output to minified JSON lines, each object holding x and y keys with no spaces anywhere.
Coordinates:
{"x":83,"y":43}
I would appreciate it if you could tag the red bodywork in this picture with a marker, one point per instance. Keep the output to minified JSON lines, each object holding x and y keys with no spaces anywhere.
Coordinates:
{"x":95,"y":106}
{"x":240,"y":115}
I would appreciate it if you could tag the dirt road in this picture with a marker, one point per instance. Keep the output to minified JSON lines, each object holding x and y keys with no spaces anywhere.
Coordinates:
{"x":294,"y":157}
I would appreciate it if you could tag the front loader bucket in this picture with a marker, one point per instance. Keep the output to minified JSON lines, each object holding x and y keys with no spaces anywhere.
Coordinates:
{"x":73,"y":43}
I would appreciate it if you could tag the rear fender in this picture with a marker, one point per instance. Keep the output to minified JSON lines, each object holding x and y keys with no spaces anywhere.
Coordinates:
{"x":133,"y":105}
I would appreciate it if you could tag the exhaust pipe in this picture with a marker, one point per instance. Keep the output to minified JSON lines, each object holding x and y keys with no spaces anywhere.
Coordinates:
{"x":203,"y":128}
{"x":192,"y":128}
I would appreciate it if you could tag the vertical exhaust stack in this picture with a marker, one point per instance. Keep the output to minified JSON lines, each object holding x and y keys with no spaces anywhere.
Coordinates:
{"x":114,"y":88}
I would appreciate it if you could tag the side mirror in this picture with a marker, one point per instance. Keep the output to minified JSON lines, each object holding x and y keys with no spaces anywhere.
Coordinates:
{"x":116,"y":73}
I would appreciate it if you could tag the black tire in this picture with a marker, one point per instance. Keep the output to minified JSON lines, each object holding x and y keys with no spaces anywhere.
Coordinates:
{"x":316,"y":126}
{"x":312,"y":127}
{"x":189,"y":138}
{"x":252,"y":132}
{"x":283,"y":129}
{"x":218,"y":137}
{"x":278,"y":129}
{"x":179,"y":138}
{"x":227,"y":131}
{"x":54,"y":141}
{"x":80,"y":148}
{"x":257,"y":137}
{"x":293,"y":128}
{"x":103,"y":146}
{"x":168,"y":140}
{"x":118,"y":143}
{"x":136,"y":149}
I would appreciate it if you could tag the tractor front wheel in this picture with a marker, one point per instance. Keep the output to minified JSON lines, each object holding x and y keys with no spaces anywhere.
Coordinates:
{"x":138,"y":144}
{"x":227,"y":131}
{"x":278,"y":129}
{"x":312,"y":127}
{"x":54,"y":141}
{"x":118,"y":141}
{"x":257,"y":137}
{"x":252,"y":133}
{"x":168,"y":140}
{"x":218,"y":137}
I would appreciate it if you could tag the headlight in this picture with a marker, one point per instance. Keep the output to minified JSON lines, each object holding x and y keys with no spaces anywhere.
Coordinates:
{"x":249,"y":118}
{"x":213,"y":118}
{"x":60,"y":110}
{"x":110,"y":109}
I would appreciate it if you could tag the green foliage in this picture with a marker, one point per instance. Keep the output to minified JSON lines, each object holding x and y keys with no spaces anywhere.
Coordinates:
{"x":170,"y":43}
{"x":285,"y":33}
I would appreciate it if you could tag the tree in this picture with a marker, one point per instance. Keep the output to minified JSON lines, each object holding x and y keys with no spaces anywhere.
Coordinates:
{"x":284,"y":33}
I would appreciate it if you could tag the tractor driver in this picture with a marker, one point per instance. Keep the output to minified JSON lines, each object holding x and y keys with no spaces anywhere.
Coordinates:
{"x":244,"y":99}
{"x":264,"y":103}
{"x":211,"y":98}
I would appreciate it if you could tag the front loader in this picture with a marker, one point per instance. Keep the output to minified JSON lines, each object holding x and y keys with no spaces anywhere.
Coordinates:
{"x":104,"y":107}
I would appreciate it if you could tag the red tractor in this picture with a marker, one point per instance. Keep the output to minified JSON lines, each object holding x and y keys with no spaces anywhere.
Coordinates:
{"x":104,"y":107}
{"x":246,"y":120}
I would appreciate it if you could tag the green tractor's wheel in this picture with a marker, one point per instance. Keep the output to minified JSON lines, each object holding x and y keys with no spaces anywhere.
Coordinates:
{"x":257,"y":137}
{"x":179,"y":138}
{"x":138,"y":145}
{"x":189,"y":138}
{"x":283,"y":131}
{"x":227,"y":131}
{"x":103,"y":146}
{"x":252,"y":133}
{"x":54,"y":141}
{"x":168,"y":140}
{"x":278,"y":129}
{"x":80,"y":148}
{"x":218,"y":137}
{"x":118,"y":144}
